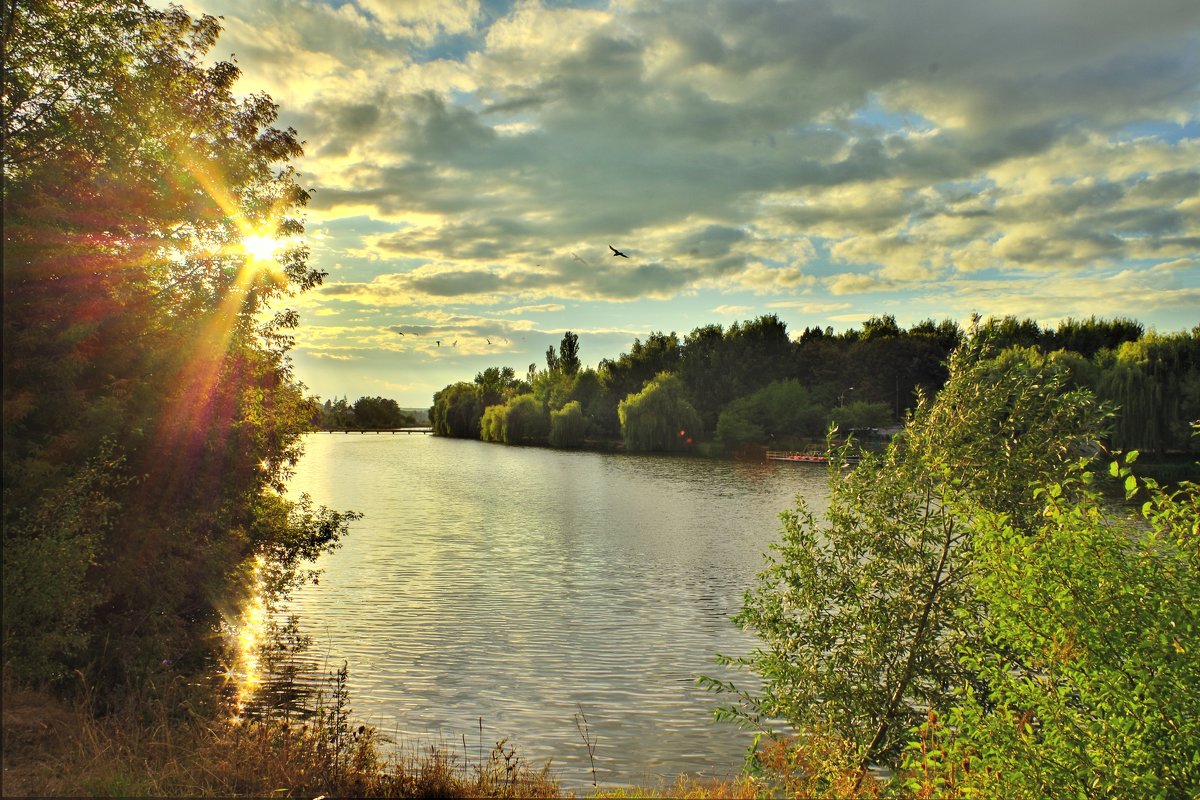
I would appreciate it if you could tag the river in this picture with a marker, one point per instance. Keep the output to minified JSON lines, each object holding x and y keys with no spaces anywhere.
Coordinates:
{"x":526,"y":586}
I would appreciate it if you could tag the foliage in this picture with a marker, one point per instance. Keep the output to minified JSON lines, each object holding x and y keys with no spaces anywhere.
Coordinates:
{"x":860,"y":415}
{"x":335,"y":415}
{"x":860,"y":618}
{"x":526,"y":421}
{"x":566,"y":360}
{"x":366,"y":413}
{"x":1156,"y":383}
{"x":567,"y":426}
{"x":658,"y":418}
{"x":496,"y":384}
{"x":780,"y":411}
{"x":1090,"y":649}
{"x":493,"y":422}
{"x":873,"y":376}
{"x":523,"y":419}
{"x":719,"y":366}
{"x":380,"y":412}
{"x":629,"y":373}
{"x":457,"y":411}
{"x":151,"y":415}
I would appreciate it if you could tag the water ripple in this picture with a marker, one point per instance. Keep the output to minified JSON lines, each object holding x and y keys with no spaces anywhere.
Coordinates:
{"x":523,"y":585}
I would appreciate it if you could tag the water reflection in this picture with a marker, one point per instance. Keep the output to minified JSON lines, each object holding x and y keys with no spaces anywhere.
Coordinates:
{"x":245,"y":635}
{"x":527,"y":586}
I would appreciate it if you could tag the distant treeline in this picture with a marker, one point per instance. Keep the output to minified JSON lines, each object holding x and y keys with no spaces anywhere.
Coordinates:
{"x":754,"y":384}
{"x":366,"y":413}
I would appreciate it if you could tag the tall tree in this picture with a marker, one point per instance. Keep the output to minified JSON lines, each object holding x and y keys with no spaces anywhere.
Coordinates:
{"x":147,"y":389}
{"x":568,"y":354}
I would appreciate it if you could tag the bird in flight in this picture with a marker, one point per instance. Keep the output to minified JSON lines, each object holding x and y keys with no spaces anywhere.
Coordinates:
{"x":489,"y":341}
{"x":455,"y":343}
{"x":617,"y":252}
{"x":580,"y":260}
{"x":400,"y":332}
{"x":439,"y":342}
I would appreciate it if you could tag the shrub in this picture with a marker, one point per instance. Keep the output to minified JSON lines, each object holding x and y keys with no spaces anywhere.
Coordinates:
{"x":860,"y":619}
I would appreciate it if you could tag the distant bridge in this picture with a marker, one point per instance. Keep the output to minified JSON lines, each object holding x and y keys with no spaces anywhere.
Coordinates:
{"x":379,"y":430}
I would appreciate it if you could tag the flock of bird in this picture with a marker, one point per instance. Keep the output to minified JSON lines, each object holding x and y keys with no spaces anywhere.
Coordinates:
{"x":615,"y":253}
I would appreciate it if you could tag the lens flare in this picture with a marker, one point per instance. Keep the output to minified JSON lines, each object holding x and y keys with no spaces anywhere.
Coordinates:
{"x":260,"y":247}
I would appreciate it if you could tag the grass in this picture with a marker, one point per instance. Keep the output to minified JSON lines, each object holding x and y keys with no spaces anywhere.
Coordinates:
{"x":183,"y":741}
{"x":162,"y":747}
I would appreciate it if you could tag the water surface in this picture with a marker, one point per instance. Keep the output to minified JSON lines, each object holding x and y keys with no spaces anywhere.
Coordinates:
{"x":524,"y":586}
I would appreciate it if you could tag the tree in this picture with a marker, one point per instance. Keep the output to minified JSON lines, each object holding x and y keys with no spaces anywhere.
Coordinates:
{"x":493,"y":423}
{"x":658,"y":418}
{"x":1090,"y":336}
{"x":336,"y":415}
{"x":781,"y":411}
{"x":148,"y":390}
{"x":860,"y":619}
{"x":496,"y":384}
{"x":631,"y":371}
{"x":1089,"y":651}
{"x":1153,"y":382}
{"x":380,"y":412}
{"x":568,"y":354}
{"x":567,"y":426}
{"x":880,"y":328}
{"x":457,"y":411}
{"x":860,"y":415}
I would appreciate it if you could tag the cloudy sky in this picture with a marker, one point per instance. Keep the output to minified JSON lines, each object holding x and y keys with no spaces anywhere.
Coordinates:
{"x":826,"y":161}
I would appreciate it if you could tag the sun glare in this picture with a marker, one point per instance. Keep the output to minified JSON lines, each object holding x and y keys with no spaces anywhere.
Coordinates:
{"x":261,"y":248}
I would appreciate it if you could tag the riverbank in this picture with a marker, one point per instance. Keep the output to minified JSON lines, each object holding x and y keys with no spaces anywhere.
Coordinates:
{"x":53,"y":748}
{"x":158,"y":748}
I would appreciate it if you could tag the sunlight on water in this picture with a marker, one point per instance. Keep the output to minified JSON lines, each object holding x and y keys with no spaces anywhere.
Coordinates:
{"x":246,"y":636}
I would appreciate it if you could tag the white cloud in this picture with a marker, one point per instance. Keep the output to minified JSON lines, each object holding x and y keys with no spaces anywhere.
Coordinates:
{"x":956,"y":156}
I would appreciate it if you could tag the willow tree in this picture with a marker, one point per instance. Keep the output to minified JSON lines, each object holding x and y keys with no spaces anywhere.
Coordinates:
{"x":1155,"y":382}
{"x":151,"y":412}
{"x":567,"y":425}
{"x":658,"y":418}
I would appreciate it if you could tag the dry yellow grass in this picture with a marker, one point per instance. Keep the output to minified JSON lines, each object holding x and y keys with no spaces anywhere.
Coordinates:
{"x":53,"y":749}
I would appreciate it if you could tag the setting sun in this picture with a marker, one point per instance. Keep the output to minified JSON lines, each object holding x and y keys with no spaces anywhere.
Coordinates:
{"x":260,"y":247}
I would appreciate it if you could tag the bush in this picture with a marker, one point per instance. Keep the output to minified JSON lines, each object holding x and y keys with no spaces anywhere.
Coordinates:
{"x":780,"y":411}
{"x":1090,"y":649}
{"x":861,"y":619}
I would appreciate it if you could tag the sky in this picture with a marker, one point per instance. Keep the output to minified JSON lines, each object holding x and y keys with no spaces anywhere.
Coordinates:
{"x":471,"y":162}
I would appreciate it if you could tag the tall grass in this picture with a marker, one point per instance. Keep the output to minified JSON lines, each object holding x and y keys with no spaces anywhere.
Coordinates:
{"x":159,"y":745}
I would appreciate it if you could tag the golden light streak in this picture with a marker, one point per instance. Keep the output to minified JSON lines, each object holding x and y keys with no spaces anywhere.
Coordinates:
{"x":198,"y":402}
{"x":248,"y":632}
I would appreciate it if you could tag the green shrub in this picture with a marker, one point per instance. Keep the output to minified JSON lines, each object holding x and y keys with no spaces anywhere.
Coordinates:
{"x":861,"y":618}
{"x":1091,"y":649}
